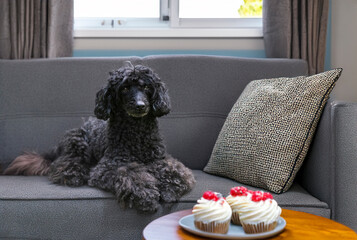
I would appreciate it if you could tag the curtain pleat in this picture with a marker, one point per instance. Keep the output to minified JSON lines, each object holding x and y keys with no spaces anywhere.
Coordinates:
{"x":36,"y":28}
{"x":5,"y":31}
{"x":296,"y":29}
{"x":36,"y":50}
{"x":43,"y":29}
{"x":60,"y":32}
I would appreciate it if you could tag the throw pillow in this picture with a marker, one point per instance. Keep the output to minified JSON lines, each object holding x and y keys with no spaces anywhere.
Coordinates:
{"x":266,"y":136}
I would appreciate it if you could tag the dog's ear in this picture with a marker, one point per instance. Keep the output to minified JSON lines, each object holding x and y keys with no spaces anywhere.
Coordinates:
{"x":161,"y":101}
{"x":102,"y":108}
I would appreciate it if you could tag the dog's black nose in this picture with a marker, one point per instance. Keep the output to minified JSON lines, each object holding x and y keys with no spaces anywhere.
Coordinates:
{"x":140,"y":105}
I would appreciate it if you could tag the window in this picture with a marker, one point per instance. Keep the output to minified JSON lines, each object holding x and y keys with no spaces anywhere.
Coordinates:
{"x":217,"y":13}
{"x":180,"y":18}
{"x":116,"y":13}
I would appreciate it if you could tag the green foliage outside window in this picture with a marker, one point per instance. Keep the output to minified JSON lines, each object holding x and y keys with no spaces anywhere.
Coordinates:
{"x":251,"y":9}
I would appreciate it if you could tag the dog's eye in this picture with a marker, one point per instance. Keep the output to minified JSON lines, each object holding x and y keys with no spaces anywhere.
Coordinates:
{"x":125,"y":89}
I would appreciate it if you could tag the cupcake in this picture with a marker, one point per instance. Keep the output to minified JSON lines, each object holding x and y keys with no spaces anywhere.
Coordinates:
{"x":260,"y":214}
{"x":238,"y":196}
{"x":212,"y":213}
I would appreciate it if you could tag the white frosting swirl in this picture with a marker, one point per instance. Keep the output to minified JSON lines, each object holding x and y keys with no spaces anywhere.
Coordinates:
{"x":236,"y":201}
{"x":210,"y":210}
{"x":266,"y":211}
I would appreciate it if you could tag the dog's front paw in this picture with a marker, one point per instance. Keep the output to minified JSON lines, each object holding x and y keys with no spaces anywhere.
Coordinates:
{"x":148,"y":200}
{"x":169,"y":196}
{"x":143,"y":199}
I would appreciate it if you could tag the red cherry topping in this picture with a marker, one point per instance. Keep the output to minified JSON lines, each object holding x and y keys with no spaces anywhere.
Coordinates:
{"x":238,"y":191}
{"x":257,"y":196}
{"x":260,"y":196}
{"x":209,"y":195}
{"x":267,"y":195}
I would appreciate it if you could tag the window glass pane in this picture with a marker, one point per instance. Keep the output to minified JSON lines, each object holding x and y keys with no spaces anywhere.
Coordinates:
{"x":117,"y":8}
{"x":220,"y":8}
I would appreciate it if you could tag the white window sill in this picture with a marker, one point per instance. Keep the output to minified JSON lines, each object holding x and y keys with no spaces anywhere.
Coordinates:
{"x":170,"y":33}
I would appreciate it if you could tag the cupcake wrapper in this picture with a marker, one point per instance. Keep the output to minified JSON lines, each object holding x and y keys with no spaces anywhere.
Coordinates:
{"x":235,"y":218}
{"x":258,"y":227}
{"x":213,"y":227}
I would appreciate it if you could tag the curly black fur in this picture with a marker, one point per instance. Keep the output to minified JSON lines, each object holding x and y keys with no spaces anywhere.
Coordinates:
{"x":121,"y":150}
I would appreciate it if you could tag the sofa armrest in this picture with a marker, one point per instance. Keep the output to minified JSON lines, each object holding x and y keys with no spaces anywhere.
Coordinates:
{"x":330,"y":169}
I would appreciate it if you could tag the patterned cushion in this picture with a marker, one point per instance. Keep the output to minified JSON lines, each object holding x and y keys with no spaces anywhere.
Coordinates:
{"x":268,"y":132}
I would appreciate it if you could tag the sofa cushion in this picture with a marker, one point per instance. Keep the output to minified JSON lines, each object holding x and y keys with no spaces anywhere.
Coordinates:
{"x":267,"y":134}
{"x":40,"y":188}
{"x":32,"y":207}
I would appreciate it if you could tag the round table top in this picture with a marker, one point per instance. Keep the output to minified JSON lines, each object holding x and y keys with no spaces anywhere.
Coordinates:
{"x":299,"y":225}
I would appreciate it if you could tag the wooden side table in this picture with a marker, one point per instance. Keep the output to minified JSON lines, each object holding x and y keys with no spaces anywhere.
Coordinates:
{"x":299,"y":225}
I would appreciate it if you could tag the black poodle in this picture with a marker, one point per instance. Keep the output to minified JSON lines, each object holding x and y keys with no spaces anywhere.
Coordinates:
{"x":121,"y":150}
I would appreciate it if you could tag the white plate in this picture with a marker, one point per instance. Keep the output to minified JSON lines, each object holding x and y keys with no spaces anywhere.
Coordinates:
{"x":234,"y":231}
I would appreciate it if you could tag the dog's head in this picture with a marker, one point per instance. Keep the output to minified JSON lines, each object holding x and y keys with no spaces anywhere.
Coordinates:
{"x":133,"y":90}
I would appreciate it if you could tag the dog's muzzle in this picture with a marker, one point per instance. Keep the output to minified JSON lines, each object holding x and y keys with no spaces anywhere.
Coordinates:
{"x":138,"y":109}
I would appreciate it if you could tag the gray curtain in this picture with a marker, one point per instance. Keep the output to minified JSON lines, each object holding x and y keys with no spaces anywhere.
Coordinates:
{"x":36,"y":29}
{"x":296,"y":29}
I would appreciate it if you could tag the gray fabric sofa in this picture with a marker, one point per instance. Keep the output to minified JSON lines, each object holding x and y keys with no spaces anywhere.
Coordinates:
{"x":40,"y":99}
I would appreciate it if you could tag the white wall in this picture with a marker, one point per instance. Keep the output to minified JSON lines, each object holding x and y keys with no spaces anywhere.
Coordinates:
{"x":344,"y":47}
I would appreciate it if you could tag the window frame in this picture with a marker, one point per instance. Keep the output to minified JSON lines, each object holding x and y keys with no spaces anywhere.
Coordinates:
{"x":174,"y":28}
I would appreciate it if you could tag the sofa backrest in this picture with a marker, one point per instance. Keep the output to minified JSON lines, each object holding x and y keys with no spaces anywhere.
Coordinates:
{"x":40,"y":99}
